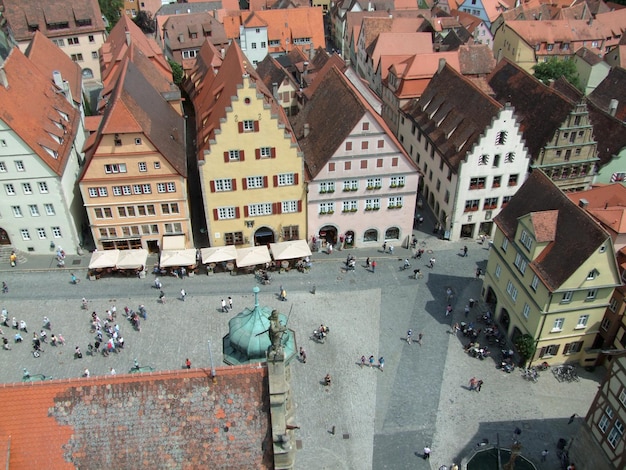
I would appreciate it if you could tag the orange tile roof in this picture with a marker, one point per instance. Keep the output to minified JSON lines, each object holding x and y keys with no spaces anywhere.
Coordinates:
{"x":33,"y":106}
{"x":48,"y":57}
{"x":544,"y":225}
{"x":169,"y":419}
{"x":92,"y":123}
{"x":559,"y":31}
{"x":400,"y":43}
{"x":232,"y":22}
{"x":606,"y":203}
{"x":292,"y":24}
{"x":614,"y":21}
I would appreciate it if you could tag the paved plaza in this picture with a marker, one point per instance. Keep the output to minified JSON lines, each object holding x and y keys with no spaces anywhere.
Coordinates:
{"x":367,"y":418}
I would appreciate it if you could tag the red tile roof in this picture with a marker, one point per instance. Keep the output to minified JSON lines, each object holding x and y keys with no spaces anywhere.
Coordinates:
{"x":37,"y":111}
{"x":176,"y":419}
{"x":606,"y":203}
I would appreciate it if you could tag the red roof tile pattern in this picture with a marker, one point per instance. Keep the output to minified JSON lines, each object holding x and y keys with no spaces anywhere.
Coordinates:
{"x":568,"y":250}
{"x":177,"y":419}
{"x":181,"y":29}
{"x":544,"y":225}
{"x":606,"y":203}
{"x":26,"y":15}
{"x":37,"y":111}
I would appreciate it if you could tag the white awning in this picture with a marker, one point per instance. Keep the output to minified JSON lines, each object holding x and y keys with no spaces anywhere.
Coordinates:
{"x":253,"y":256}
{"x":217,"y":254}
{"x":132,"y":259}
{"x":103,"y":259}
{"x":290,"y":250}
{"x":170,"y":258}
{"x":173,"y":242}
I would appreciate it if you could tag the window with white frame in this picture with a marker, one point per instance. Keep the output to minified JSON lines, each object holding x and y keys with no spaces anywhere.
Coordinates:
{"x":567,"y":296}
{"x":49,"y":208}
{"x":520,"y":263}
{"x":289,"y":207}
{"x":116,"y":190}
{"x":483,"y":160}
{"x":146,"y":188}
{"x":534,"y":283}
{"x":157,"y":165}
{"x":115,"y":168}
{"x":41,"y":233}
{"x":511,"y":290}
{"x":591,"y":294}
{"x":233,"y":155}
{"x":286,"y":179}
{"x":327,"y":187}
{"x":3,"y":167}
{"x":248,"y":125}
{"x":582,"y":321}
{"x":143,"y":166}
{"x":43,"y":187}
{"x":501,"y":138}
{"x":558,"y":324}
{"x":175,"y":227}
{"x":17,"y":211}
{"x":498,"y":271}
{"x":351,"y":185}
{"x":505,"y":244}
{"x":396,"y":181}
{"x":34,"y":210}
{"x":226,"y":213}
{"x":573,"y":348}
{"x":93,"y":192}
{"x":395,"y":201}
{"x":102,"y":191}
{"x":19,"y":165}
{"x":622,"y":396}
{"x":224,"y":184}
{"x":265,"y":152}
{"x":254,"y":182}
{"x":592,"y":274}
{"x":27,"y":188}
{"x":606,"y":324}
{"x":607,"y":416}
{"x":616,"y":433}
{"x":526,"y":239}
{"x":327,"y":207}
{"x":372,"y":204}
{"x":374,"y":183}
{"x":264,"y":208}
{"x":526,"y":311}
{"x":349,"y":206}
{"x":56,"y":232}
{"x":126,"y":190}
{"x":171,"y":187}
{"x":25,"y":234}
{"x":613,"y":305}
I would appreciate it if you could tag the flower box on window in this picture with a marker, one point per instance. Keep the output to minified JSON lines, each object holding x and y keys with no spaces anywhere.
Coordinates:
{"x":401,"y":185}
{"x":378,"y":186}
{"x":322,"y":191}
{"x":354,"y":209}
{"x":370,"y":188}
{"x":376,"y":208}
{"x":368,"y":209}
{"x":346,"y":190}
{"x":354,"y":189}
{"x":392,"y":185}
{"x":496,"y":185}
{"x":330,"y":191}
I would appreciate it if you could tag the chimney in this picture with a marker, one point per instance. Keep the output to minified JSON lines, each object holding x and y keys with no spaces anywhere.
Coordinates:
{"x":307,"y":129}
{"x":613,"y":107}
{"x":442,"y":64}
{"x":128,"y":38}
{"x":58,"y":79}
{"x":583,"y":203}
{"x":590,"y":21}
{"x":3,"y":78}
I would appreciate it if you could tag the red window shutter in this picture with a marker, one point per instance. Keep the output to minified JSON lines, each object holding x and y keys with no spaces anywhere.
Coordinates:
{"x":225,"y":157}
{"x":233,"y":182}
{"x":240,"y":123}
{"x":275,"y":180}
{"x":363,"y":164}
{"x":256,"y":126}
{"x":257,"y":153}
{"x":295,"y":178}
{"x":276,"y":208}
{"x":215,"y":214}
{"x":212,"y":186}
{"x":244,"y":183}
{"x":273,"y":152}
{"x":265,"y":181}
{"x":242,"y":156}
{"x":237,"y":213}
{"x":300,"y":206}
{"x":245,"y":211}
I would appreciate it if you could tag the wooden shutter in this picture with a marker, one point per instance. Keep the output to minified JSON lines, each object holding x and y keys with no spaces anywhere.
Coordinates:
{"x":273,"y":152}
{"x":226,"y":157}
{"x":300,"y":206}
{"x":275,"y":180}
{"x":242,"y":156}
{"x":245,"y":211}
{"x":277,"y":208}
{"x":240,"y":124}
{"x":212,"y":184}
{"x":295,"y":178}
{"x":244,"y":183}
{"x":256,"y":126}
{"x":257,"y":153}
{"x":265,"y":181}
{"x":236,"y":212}
{"x":233,"y":183}
{"x":215,"y":214}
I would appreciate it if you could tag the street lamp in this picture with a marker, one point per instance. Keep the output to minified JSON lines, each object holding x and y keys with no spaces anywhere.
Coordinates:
{"x":212,"y":367}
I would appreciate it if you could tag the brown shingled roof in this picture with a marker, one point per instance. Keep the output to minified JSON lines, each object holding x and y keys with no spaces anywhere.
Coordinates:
{"x":177,"y":419}
{"x":577,"y":235}
{"x":609,"y":132}
{"x":612,"y":87}
{"x":272,"y":72}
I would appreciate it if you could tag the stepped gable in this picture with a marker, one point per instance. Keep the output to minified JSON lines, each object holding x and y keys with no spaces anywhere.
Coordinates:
{"x":454,"y":113}
{"x":132,"y":421}
{"x":533,"y":101}
{"x":575,"y":238}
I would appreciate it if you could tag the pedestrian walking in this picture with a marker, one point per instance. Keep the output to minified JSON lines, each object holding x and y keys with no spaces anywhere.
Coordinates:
{"x":479,"y":384}
{"x":86,"y":373}
{"x":112,"y":371}
{"x":455,"y":329}
{"x":471,"y":303}
{"x":374,"y":266}
{"x":427,"y":452}
{"x":5,"y":287}
{"x":371,"y":361}
{"x":431,"y":262}
{"x":283,"y":295}
{"x":384,"y":247}
{"x":183,"y":294}
{"x":46,"y":323}
{"x":448,"y":309}
{"x":478,"y":273}
{"x":472,"y":383}
{"x":224,"y":309}
{"x":363,"y":361}
{"x":329,"y":249}
{"x":23,"y":326}
{"x":448,"y":294}
{"x":162,"y":297}
{"x":367,"y":262}
{"x":544,"y":455}
{"x":302,"y":355}
{"x":391,"y":249}
{"x":464,"y":251}
{"x":409,"y":336}
{"x":183,"y":272}
{"x":381,"y":363}
{"x":467,"y":310}
{"x":230,"y":302}
{"x":187,"y":363}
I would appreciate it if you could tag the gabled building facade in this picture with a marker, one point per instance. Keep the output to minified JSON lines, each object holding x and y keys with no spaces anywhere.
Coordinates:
{"x":76,"y":27}
{"x":556,"y":125}
{"x":551,"y":273}
{"x":361,"y":183}
{"x":283,"y":85}
{"x":251,"y":168}
{"x":41,"y":137}
{"x":134,"y":183}
{"x":470,"y":150}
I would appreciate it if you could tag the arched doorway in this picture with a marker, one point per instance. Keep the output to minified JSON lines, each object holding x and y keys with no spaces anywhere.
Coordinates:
{"x":491,"y":299}
{"x":392,"y":233}
{"x":328,"y":233}
{"x":263,"y":236}
{"x":505,"y":320}
{"x":4,"y":237}
{"x":370,"y":235}
{"x":349,"y":239}
{"x":87,"y":73}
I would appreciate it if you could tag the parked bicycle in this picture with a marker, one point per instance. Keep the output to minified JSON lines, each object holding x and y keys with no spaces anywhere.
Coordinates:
{"x":565,"y":373}
{"x":530,"y":374}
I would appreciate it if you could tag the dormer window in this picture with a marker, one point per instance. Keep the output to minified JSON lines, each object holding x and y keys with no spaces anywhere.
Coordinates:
{"x":526,"y":239}
{"x":549,"y":47}
{"x":592,"y":274}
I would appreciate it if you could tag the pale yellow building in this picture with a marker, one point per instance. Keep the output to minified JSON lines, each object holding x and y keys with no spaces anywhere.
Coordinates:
{"x":251,"y":168}
{"x":551,"y":273}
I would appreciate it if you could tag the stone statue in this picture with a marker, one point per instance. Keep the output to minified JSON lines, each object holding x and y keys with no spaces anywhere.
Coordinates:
{"x":276,"y":331}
